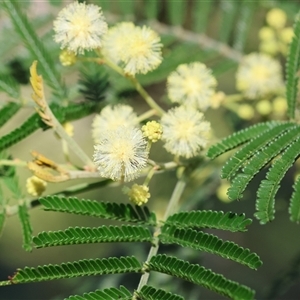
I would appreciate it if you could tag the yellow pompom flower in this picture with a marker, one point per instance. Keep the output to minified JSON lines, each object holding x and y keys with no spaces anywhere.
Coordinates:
{"x":192,"y":85}
{"x":266,"y":33}
{"x":121,"y":153}
{"x":245,"y":111}
{"x":153,"y":131}
{"x":264,"y":107}
{"x":111,"y":118}
{"x":270,"y":47}
{"x":35,"y":186}
{"x":276,"y":18}
{"x":280,"y":105}
{"x":259,"y":75}
{"x":136,"y":49}
{"x":80,"y":27}
{"x":139,"y":194}
{"x":185,"y":132}
{"x":67,"y":58}
{"x":286,"y":35}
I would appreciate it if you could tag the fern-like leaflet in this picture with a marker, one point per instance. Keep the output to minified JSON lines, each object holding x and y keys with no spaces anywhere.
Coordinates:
{"x":268,"y":188}
{"x":294,"y":208}
{"x":87,"y":235}
{"x":199,"y":275}
{"x":107,"y":294}
{"x":211,"y":244}
{"x":292,"y":68}
{"x":105,"y":210}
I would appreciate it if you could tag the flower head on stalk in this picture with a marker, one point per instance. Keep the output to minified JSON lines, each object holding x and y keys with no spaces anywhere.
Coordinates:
{"x":112,"y":117}
{"x":185,"y":131}
{"x":136,"y":49}
{"x":258,"y":76}
{"x":192,"y":85}
{"x":121,"y":153}
{"x":80,"y":27}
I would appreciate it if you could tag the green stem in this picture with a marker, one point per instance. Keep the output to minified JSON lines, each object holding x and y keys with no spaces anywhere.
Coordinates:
{"x":150,"y":101}
{"x":172,"y":207}
{"x":18,"y":163}
{"x":146,"y":115}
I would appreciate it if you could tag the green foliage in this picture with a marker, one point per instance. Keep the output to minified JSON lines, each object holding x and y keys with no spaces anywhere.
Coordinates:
{"x":280,"y":141}
{"x":2,"y":210}
{"x":26,"y":226}
{"x":94,"y":84}
{"x":106,"y":294}
{"x":265,"y":203}
{"x":63,"y":114}
{"x":259,"y":160}
{"x":105,"y":210}
{"x":18,"y":134}
{"x":201,"y":15}
{"x":31,"y":40}
{"x":292,"y":69}
{"x":7,"y":111}
{"x":238,"y":138}
{"x":9,"y":86}
{"x":294,"y":208}
{"x":250,"y":148}
{"x":209,"y":219}
{"x":85,"y":267}
{"x":85,"y":235}
{"x":200,"y":276}
{"x":151,"y":9}
{"x":243,"y":24}
{"x":211,"y":244}
{"x":176,"y":230}
{"x":151,"y":293}
{"x":176,"y":11}
{"x":229,"y":10}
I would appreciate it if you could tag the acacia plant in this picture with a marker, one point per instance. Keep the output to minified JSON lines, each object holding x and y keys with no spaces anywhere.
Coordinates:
{"x":122,"y":51}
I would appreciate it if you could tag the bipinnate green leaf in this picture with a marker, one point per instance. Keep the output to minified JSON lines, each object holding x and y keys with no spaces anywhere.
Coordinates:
{"x":26,"y":226}
{"x":105,"y":210}
{"x":3,"y":202}
{"x":126,"y":7}
{"x":209,"y":219}
{"x":243,"y":24}
{"x":85,"y":267}
{"x":199,"y":275}
{"x":209,"y":243}
{"x":88,"y":235}
{"x":20,"y":133}
{"x":7,"y":111}
{"x":34,"y":45}
{"x":34,"y":122}
{"x":93,"y":84}
{"x":176,"y":11}
{"x":9,"y":85}
{"x":107,"y":294}
{"x":292,"y":69}
{"x":265,"y":202}
{"x":260,"y":159}
{"x":239,"y":138}
{"x":151,"y":9}
{"x":239,"y":159}
{"x":150,"y":293}
{"x":200,"y":15}
{"x":228,"y":13}
{"x":294,"y":208}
